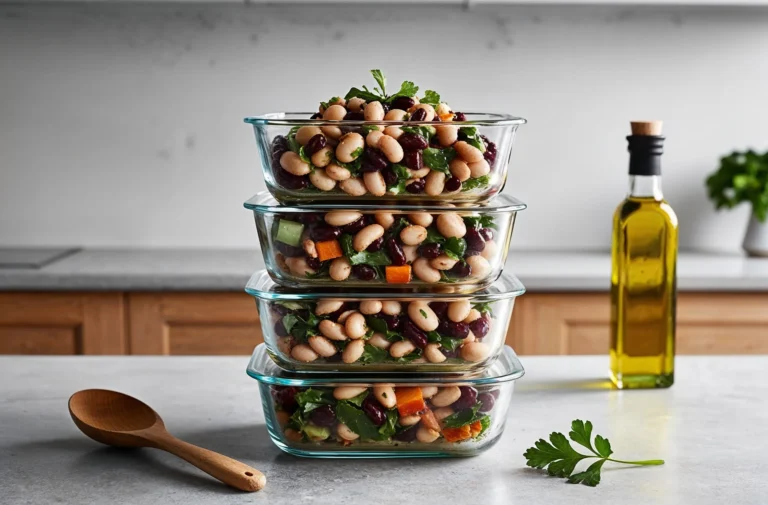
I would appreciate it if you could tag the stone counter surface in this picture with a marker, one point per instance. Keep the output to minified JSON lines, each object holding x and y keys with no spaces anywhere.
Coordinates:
{"x":710,"y":427}
{"x":228,"y":270}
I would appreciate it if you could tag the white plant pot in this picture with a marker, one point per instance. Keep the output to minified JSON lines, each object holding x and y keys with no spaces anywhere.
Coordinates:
{"x":756,"y":239}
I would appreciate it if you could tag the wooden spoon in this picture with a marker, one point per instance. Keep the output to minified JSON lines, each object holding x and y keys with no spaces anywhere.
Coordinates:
{"x":120,"y":420}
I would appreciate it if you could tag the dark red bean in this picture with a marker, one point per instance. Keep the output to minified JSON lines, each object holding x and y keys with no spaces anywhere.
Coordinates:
{"x":364,"y":272}
{"x":459,"y":116}
{"x":354,"y":116}
{"x":316,"y":115}
{"x":323,"y":416}
{"x":448,"y":353}
{"x":475,"y":241}
{"x":322,"y":233}
{"x":354,"y":226}
{"x":413,"y":160}
{"x":403,"y":102}
{"x":396,"y":253}
{"x":471,"y":252}
{"x":393,"y":322}
{"x":313,"y":263}
{"x":494,"y":393}
{"x":461,"y":269}
{"x":436,"y":119}
{"x":417,"y":186}
{"x":390,"y":177}
{"x":418,"y":115}
{"x":280,"y":330}
{"x":285,"y":396}
{"x":310,"y":218}
{"x":440,"y":309}
{"x":315,"y":143}
{"x":412,"y":142}
{"x":373,"y":161}
{"x":487,"y":400}
{"x":414,"y":334}
{"x":280,"y":309}
{"x":480,"y":327}
{"x":376,"y":245}
{"x":486,"y":233}
{"x":430,"y":251}
{"x":290,"y":181}
{"x":374,"y":410}
{"x":407,"y":435}
{"x":304,"y":314}
{"x":490,"y":150}
{"x":288,"y":250}
{"x":453,"y":184}
{"x":453,"y":330}
{"x":279,"y":146}
{"x":467,"y":399}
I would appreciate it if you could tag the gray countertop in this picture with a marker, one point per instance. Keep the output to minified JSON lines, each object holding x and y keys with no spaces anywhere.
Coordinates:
{"x":228,"y":270}
{"x":709,"y":427}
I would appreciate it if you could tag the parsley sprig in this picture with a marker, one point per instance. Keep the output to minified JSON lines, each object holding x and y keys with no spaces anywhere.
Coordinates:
{"x":560,"y":459}
{"x":379,"y":93}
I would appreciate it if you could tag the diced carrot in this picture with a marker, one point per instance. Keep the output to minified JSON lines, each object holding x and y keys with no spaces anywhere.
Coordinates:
{"x":475,"y":428}
{"x":328,"y":250}
{"x":399,"y":275}
{"x":456,"y":434}
{"x":446,"y":116}
{"x":409,"y":401}
{"x":429,"y":420}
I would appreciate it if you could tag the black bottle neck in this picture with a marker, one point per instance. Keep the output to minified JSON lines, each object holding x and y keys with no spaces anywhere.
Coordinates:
{"x":645,"y":154}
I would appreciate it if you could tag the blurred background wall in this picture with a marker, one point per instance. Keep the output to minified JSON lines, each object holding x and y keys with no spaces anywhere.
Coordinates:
{"x":120,"y":125}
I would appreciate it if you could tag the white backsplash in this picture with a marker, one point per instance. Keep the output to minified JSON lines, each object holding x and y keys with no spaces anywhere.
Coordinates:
{"x":121,"y":125}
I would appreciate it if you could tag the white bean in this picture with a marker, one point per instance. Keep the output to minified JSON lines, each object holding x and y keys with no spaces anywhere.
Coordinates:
{"x":309,"y":248}
{"x":428,"y":392}
{"x":443,"y":110}
{"x":393,"y":131}
{"x":298,"y":266}
{"x":348,"y":392}
{"x":320,"y":179}
{"x":446,"y":396}
{"x":401,"y":348}
{"x":350,"y":147}
{"x":489,"y":252}
{"x":395,"y":115}
{"x":424,"y":271}
{"x":443,"y":262}
{"x":366,"y":236}
{"x":322,"y":346}
{"x":334,"y":113}
{"x":355,"y":326}
{"x":451,"y":225}
{"x":284,"y":345}
{"x":343,"y":431}
{"x":469,"y":338}
{"x":467,"y":152}
{"x":324,"y":307}
{"x":303,"y":352}
{"x":280,"y":260}
{"x":460,"y":169}
{"x":379,"y":340}
{"x":480,"y":267}
{"x":409,"y":420}
{"x":433,"y":354}
{"x":420,"y":218}
{"x":411,"y":252}
{"x":391,"y":307}
{"x":337,"y":173}
{"x":427,"y":108}
{"x":353,"y":186}
{"x":447,"y":135}
{"x":474,"y":351}
{"x":459,"y":310}
{"x":340,"y":269}
{"x":370,"y":307}
{"x":332,"y":133}
{"x":385,"y":219}
{"x":413,"y":235}
{"x":479,"y":168}
{"x":426,"y":435}
{"x":305,"y":133}
{"x":373,"y":111}
{"x":342,"y":217}
{"x":375,"y":183}
{"x":353,"y":351}
{"x":418,"y":174}
{"x":391,"y":149}
{"x":323,"y":157}
{"x":435,"y":183}
{"x":386,"y":395}
{"x":344,"y":315}
{"x":373,"y":138}
{"x":474,"y":315}
{"x":423,"y":316}
{"x":293,"y":164}
{"x":332,"y":330}
{"x":442,"y":413}
{"x":355,"y":104}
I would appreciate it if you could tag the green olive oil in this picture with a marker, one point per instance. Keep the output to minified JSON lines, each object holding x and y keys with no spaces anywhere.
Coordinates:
{"x":643,"y":276}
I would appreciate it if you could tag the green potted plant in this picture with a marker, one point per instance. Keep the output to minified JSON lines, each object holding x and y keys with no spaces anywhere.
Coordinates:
{"x":743,"y":178}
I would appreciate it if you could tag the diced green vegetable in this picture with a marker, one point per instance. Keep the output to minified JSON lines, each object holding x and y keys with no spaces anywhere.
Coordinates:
{"x":289,"y":232}
{"x":316,"y":432}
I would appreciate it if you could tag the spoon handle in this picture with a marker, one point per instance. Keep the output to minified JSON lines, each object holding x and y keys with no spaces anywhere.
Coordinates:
{"x":227,"y":470}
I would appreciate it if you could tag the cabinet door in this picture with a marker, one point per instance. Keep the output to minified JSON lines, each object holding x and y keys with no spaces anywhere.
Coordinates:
{"x":192,"y":323}
{"x":62,"y":323}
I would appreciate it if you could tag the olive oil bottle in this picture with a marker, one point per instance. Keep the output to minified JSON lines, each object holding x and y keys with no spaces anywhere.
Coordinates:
{"x":643,"y":277}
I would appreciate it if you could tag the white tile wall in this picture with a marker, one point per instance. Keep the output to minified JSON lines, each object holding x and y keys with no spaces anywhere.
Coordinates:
{"x":120,"y":125}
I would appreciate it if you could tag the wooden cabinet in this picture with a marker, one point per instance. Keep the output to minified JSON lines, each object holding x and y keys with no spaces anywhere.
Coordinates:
{"x":574,"y":323}
{"x":62,"y":323}
{"x":192,"y":323}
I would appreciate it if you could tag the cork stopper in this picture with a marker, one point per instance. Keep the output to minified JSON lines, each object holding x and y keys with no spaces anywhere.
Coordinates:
{"x":645,"y":128}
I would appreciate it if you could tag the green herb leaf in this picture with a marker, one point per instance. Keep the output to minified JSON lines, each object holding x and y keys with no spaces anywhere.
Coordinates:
{"x":358,"y":400}
{"x":402,"y":178}
{"x":407,"y":88}
{"x":477,"y":182}
{"x":389,"y":428}
{"x":445,"y":342}
{"x":293,"y":144}
{"x":294,"y":305}
{"x":289,"y":321}
{"x":483,"y":308}
{"x":455,"y":247}
{"x":423,"y":313}
{"x":410,"y":357}
{"x":439,"y":159}
{"x":591,"y":477}
{"x":303,"y":156}
{"x":372,"y":354}
{"x":378,"y":258}
{"x":424,"y":131}
{"x":463,"y":417}
{"x":357,"y":152}
{"x":581,"y":433}
{"x":434,"y":236}
{"x":356,"y":420}
{"x":368,"y":129}
{"x":741,"y":178}
{"x":431,"y":97}
{"x":478,"y":222}
{"x":472,"y":137}
{"x":381,"y":80}
{"x":365,"y":94}
{"x":302,"y":329}
{"x":603,"y":446}
{"x":311,"y":399}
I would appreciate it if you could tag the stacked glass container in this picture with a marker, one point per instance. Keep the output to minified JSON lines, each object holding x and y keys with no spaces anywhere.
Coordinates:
{"x":383,"y":305}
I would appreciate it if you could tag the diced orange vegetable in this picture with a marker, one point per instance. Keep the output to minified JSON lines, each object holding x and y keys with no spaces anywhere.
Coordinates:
{"x":399,"y":275}
{"x":328,"y":250}
{"x":456,"y":434}
{"x":446,"y":116}
{"x":429,"y":420}
{"x":409,"y":401}
{"x":475,"y":428}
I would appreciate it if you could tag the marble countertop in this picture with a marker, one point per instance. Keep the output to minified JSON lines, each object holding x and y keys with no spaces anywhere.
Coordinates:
{"x":709,"y":427}
{"x":228,"y":270}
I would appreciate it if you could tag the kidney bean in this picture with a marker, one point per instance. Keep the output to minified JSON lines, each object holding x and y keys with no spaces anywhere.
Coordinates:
{"x":459,"y":116}
{"x":309,"y":218}
{"x":280,"y":330}
{"x":461,"y":269}
{"x":452,"y":184}
{"x":467,"y":399}
{"x":375,"y":245}
{"x":313,"y":263}
{"x":279,"y":146}
{"x":280,"y":309}
{"x":393,"y":322}
{"x":374,"y":410}
{"x":323,"y":232}
{"x":413,"y":160}
{"x":415,"y":335}
{"x":490,"y":150}
{"x":418,"y":115}
{"x":314,"y":144}
{"x":323,"y":416}
{"x":412,"y":142}
{"x":390,"y":178}
{"x":364,"y":272}
{"x":290,"y":181}
{"x":486,"y":233}
{"x":487,"y":400}
{"x":304,"y":314}
{"x":480,"y":327}
{"x":355,"y":226}
{"x":430,"y":251}
{"x":439,"y":308}
{"x":408,"y":435}
{"x":416,"y":187}
{"x":403,"y":103}
{"x":285,"y":396}
{"x":288,"y":250}
{"x":316,"y":115}
{"x":453,"y":330}
{"x":475,"y":241}
{"x":396,"y":253}
{"x":450,"y":354}
{"x":354,"y":116}
{"x":373,"y":160}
